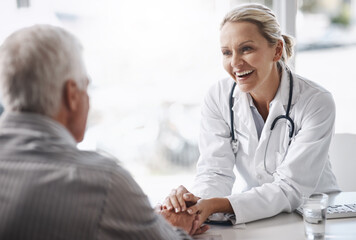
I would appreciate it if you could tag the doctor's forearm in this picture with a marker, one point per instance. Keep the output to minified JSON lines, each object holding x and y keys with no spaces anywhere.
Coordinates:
{"x":220,"y":205}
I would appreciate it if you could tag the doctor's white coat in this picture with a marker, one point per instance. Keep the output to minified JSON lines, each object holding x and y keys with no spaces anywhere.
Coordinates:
{"x":300,"y":169}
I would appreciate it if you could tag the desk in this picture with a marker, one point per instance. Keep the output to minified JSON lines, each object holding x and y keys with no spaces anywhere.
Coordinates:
{"x":289,"y":226}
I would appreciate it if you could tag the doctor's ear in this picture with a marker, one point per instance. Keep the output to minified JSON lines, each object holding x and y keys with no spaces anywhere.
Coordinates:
{"x":279,"y":51}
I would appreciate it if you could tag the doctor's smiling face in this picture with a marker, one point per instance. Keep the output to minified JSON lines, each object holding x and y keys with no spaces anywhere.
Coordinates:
{"x":248,"y":57}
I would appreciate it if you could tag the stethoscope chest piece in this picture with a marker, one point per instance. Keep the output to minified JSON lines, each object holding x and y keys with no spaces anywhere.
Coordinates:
{"x":235,"y":146}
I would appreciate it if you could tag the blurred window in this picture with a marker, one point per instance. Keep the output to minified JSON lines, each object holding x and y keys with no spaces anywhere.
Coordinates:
{"x":326,"y":46}
{"x":152,"y":62}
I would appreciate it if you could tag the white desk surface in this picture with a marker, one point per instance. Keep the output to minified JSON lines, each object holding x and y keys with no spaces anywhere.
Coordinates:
{"x":289,"y":226}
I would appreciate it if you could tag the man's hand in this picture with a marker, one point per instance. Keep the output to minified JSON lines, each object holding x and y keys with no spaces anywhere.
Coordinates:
{"x":179,"y":199}
{"x":188,"y":222}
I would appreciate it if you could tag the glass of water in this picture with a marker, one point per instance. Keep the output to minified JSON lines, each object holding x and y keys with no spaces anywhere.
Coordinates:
{"x":314,"y":215}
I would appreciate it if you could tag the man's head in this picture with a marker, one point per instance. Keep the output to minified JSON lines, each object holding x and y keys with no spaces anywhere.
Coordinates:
{"x":42,"y":71}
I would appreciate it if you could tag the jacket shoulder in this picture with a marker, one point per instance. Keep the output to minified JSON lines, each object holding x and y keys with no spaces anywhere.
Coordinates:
{"x":313,"y":96}
{"x":306,"y":84}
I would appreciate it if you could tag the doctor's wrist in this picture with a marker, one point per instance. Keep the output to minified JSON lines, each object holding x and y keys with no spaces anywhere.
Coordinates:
{"x":220,"y":205}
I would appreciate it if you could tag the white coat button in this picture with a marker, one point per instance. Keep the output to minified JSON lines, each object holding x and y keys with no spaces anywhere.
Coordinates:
{"x":259,"y":176}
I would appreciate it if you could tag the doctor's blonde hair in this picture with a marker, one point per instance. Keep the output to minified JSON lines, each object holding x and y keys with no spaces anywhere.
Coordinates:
{"x":266,"y":21}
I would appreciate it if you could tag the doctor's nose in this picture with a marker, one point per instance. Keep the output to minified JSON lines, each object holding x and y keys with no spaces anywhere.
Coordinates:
{"x":236,"y":61}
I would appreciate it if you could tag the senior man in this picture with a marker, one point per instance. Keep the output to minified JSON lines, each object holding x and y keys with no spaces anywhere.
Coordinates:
{"x":48,"y":188}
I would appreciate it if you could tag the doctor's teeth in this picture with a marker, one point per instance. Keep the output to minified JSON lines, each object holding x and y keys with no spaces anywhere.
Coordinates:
{"x":241,"y":74}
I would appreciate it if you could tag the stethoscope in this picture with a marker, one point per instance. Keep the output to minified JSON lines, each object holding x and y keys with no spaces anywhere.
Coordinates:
{"x":286,"y":116}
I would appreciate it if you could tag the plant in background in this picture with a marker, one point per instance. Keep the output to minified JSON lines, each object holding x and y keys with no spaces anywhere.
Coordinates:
{"x":344,"y":16}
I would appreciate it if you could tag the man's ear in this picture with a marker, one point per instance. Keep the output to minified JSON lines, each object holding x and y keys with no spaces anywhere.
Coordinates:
{"x":279,"y":51}
{"x":70,"y":95}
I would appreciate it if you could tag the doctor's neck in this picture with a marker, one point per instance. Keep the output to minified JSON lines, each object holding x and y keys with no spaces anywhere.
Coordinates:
{"x":263,"y":95}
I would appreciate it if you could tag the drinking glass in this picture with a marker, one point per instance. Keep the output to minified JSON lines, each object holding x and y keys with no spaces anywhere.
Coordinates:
{"x":314,"y":215}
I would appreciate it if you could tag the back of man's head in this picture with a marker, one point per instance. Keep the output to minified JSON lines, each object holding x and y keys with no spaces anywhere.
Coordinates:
{"x":35,"y":62}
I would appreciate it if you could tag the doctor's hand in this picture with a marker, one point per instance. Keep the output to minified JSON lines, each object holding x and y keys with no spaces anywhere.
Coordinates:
{"x":203,"y":208}
{"x":188,"y":222}
{"x":206,"y":207}
{"x":180,"y":199}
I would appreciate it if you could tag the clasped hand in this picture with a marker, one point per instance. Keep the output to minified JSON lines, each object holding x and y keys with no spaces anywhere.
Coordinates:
{"x":181,"y":201}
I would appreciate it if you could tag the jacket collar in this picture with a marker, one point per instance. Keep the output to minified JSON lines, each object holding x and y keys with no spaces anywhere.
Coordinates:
{"x":278,"y":105}
{"x":35,"y":125}
{"x":282,"y":95}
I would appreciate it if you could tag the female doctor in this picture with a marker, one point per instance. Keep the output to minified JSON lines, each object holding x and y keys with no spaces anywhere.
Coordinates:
{"x":275,"y":127}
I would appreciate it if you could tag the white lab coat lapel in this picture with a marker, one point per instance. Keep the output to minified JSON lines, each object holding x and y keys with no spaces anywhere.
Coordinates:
{"x":244,"y":122}
{"x":278,"y":107}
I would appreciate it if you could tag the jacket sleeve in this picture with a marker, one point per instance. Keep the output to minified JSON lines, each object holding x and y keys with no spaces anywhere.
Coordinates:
{"x":127,"y":214}
{"x":300,"y":172}
{"x":215,"y":176}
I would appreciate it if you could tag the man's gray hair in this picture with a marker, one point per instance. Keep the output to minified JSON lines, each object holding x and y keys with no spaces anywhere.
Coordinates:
{"x":35,"y":62}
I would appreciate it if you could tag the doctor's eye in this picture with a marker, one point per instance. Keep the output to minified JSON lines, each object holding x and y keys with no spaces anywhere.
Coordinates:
{"x":226,"y":52}
{"x":246,"y":49}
